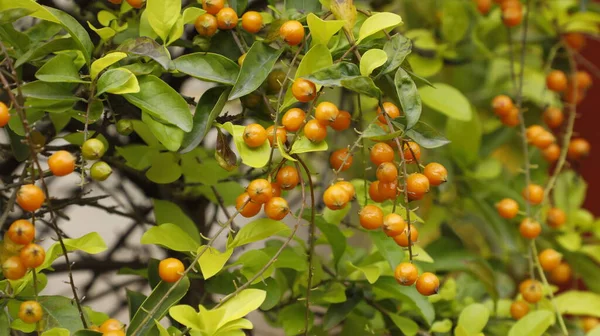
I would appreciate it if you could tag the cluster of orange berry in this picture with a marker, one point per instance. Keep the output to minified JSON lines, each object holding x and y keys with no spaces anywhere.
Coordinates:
{"x":4,"y":114}
{"x":110,"y":327}
{"x":512,"y":10}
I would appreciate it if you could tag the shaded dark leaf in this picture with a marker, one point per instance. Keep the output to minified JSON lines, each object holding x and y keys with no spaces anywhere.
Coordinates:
{"x":209,"y":67}
{"x":257,"y":65}
{"x":145,"y":46}
{"x":333,"y":75}
{"x":397,"y":48}
{"x":208,"y":108}
{"x":426,"y":136}
{"x":408,"y":96}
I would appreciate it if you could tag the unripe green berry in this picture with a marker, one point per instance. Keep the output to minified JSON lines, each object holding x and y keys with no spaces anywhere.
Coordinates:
{"x":124,"y":127}
{"x":100,"y":171}
{"x":92,"y":149}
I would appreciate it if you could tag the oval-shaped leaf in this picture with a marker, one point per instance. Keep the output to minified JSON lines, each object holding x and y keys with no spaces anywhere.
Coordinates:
{"x":60,"y":69}
{"x":257,"y":65}
{"x":408,"y":96}
{"x":170,"y":236}
{"x":118,"y":81}
{"x":371,"y":60}
{"x":162,"y":15}
{"x":406,"y":325}
{"x":455,"y":21}
{"x":91,"y":243}
{"x":376,"y":23}
{"x":396,"y":49}
{"x":168,"y":135}
{"x":426,"y":136}
{"x":209,"y":67}
{"x":207,"y":110}
{"x":578,"y":303}
{"x":257,"y":230}
{"x":466,"y":139}
{"x":104,"y":62}
{"x":242,"y":304}
{"x":376,"y":133}
{"x":473,"y":318}
{"x":447,"y":100}
{"x":321,"y":31}
{"x":164,"y":168}
{"x":145,"y":46}
{"x":363,"y":85}
{"x":303,"y":145}
{"x":533,"y":324}
{"x":256,"y":157}
{"x":333,"y":75}
{"x":212,"y":261}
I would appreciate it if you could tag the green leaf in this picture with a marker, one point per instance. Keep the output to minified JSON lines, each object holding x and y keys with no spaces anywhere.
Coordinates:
{"x":60,"y":312}
{"x":570,"y":192}
{"x":242,"y":304}
{"x":465,"y":139}
{"x":335,"y":237}
{"x":387,"y":248}
{"x":56,"y":332}
{"x":363,"y":85}
{"x":170,"y":236}
{"x":161,"y":101}
{"x":209,"y":67}
{"x":376,"y":23}
{"x":455,"y":21}
{"x":212,"y":261}
{"x":333,"y":75}
{"x":105,"y":33}
{"x":473,"y":318}
{"x":254,"y":262}
{"x":338,"y":312}
{"x":105,"y":17}
{"x":187,"y":316}
{"x":388,"y":287}
{"x":447,"y":100}
{"x":396,"y":49}
{"x":426,"y":136}
{"x":168,"y":135}
{"x":161,"y":330}
{"x":134,"y":301}
{"x":303,"y":145}
{"x":162,"y":15}
{"x":488,"y":169}
{"x":254,"y":157}
{"x":90,"y":243}
{"x":371,"y":272}
{"x":13,"y":14}
{"x":104,"y":62}
{"x":151,"y":304}
{"x":406,"y":325}
{"x":292,"y":318}
{"x":257,"y":65}
{"x":137,"y":157}
{"x":273,"y":290}
{"x":60,"y":69}
{"x":322,"y":31}
{"x":145,"y":46}
{"x":257,"y":230}
{"x":4,"y":324}
{"x":164,"y":168}
{"x":408,"y":96}
{"x":44,"y":49}
{"x":168,"y":212}
{"x":533,"y":324}
{"x":49,"y":91}
{"x":371,"y":60}
{"x":442,"y":326}
{"x":376,"y":133}
{"x":578,"y":303}
{"x":425,"y":66}
{"x":118,"y":81}
{"x":207,"y":110}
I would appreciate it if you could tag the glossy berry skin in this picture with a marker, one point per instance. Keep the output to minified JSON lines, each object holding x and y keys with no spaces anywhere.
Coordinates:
{"x":275,"y":189}
{"x":402,"y":239}
{"x":111,"y":325}
{"x":100,"y":171}
{"x":543,"y":140}
{"x":246,"y":207}
{"x":553,"y":117}
{"x":561,"y":274}
{"x":206,"y":25}
{"x":275,"y":79}
{"x":484,"y":6}
{"x":336,"y":197}
{"x":304,"y":90}
{"x":277,"y":208}
{"x":406,"y":274}
{"x":254,"y":135}
{"x":348,"y":188}
{"x":518,"y":309}
{"x":575,"y":40}
{"x":341,"y":159}
{"x":61,"y":163}
{"x":315,"y":131}
{"x":435,"y":173}
{"x":549,"y":259}
{"x":393,"y":225}
{"x":583,"y":79}
{"x":533,"y":193}
{"x":326,"y":113}
{"x":227,"y":18}
{"x":388,"y":190}
{"x":8,"y":248}
{"x":30,"y":197}
{"x":533,"y":132}
{"x":531,"y":290}
{"x":293,"y":119}
{"x":21,"y":232}
{"x":30,"y":312}
{"x":281,"y":134}
{"x":387,"y":172}
{"x":512,"y":16}
{"x":390,"y":109}
{"x":555,"y":218}
{"x":428,"y":284}
{"x":4,"y":114}
{"x":93,"y":149}
{"x":502,"y":105}
{"x":578,"y":149}
{"x":505,"y":4}
{"x":292,"y":32}
{"x":136,"y":3}
{"x":260,"y":191}
{"x":170,"y":270}
{"x":589,"y":323}
{"x":124,"y":127}
{"x":114,"y":333}
{"x":380,"y":153}
{"x":417,"y":185}
{"x":32,"y":255}
{"x":507,"y":208}
{"x":252,"y":22}
{"x":374,"y":192}
{"x":412,"y":152}
{"x":213,"y":6}
{"x":371,"y":217}
{"x":511,"y":119}
{"x":556,"y":81}
{"x":551,"y":153}
{"x":13,"y":268}
{"x":342,"y":121}
{"x":287,"y":177}
{"x":530,"y":229}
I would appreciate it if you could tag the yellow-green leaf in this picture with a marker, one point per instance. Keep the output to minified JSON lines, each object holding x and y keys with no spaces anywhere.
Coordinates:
{"x":257,"y":157}
{"x":162,"y":15}
{"x":212,"y":261}
{"x":322,"y":31}
{"x":371,"y":60}
{"x":578,"y":303}
{"x":377,"y":23}
{"x":106,"y":61}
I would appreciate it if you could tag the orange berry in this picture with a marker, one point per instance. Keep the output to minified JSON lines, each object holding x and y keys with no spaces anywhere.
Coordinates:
{"x":589,"y":323}
{"x":533,"y":193}
{"x":30,"y":312}
{"x":280,"y":133}
{"x":530,"y":229}
{"x":136,"y":3}
{"x":4,"y":114}
{"x":551,"y":153}
{"x":30,"y":197}
{"x":335,"y":197}
{"x":575,"y":40}
{"x":533,"y":132}
{"x":555,"y":217}
{"x":304,"y":90}
{"x":507,"y":208}
{"x":393,"y":225}
{"x":553,"y":117}
{"x":417,"y":185}
{"x":206,"y":25}
{"x":484,"y":6}
{"x":277,"y":208}
{"x":342,"y":121}
{"x":315,"y":131}
{"x":252,"y":22}
{"x":213,"y":6}
{"x":292,"y":32}
{"x":518,"y":309}
{"x":293,"y":119}
{"x":584,"y":80}
{"x":512,"y":118}
{"x":254,"y":135}
{"x":13,"y":268}
{"x":326,"y":113}
{"x":428,"y":284}
{"x":573,"y":96}
{"x":512,"y":16}
{"x":531,"y":290}
{"x":170,"y":270}
{"x":61,"y":163}
{"x":93,"y":327}
{"x":549,"y":259}
{"x":380,"y":153}
{"x":402,"y":239}
{"x":260,"y":191}
{"x":556,"y":81}
{"x":561,"y":274}
{"x":21,"y":232}
{"x":348,"y":187}
{"x":388,"y":190}
{"x":412,"y":152}
{"x":371,"y":217}
{"x":275,"y":189}
{"x":436,"y":173}
{"x":32,"y":255}
{"x":510,"y":4}
{"x":502,"y":105}
{"x":287,"y":177}
{"x":387,"y":172}
{"x":406,"y":274}
{"x":341,"y":159}
{"x":246,"y":207}
{"x":111,"y":325}
{"x":543,"y":140}
{"x":390,"y":109}
{"x":578,"y":149}
{"x":374,"y":192}
{"x":227,"y":18}
{"x":114,"y":333}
